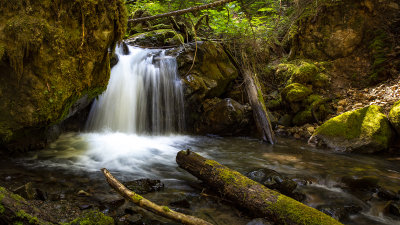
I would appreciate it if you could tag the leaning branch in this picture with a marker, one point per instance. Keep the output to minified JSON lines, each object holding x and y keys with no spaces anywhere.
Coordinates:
{"x":180,"y":12}
{"x":146,"y":204}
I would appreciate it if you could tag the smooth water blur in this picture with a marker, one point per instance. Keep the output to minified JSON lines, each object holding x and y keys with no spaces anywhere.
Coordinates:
{"x":144,"y":95}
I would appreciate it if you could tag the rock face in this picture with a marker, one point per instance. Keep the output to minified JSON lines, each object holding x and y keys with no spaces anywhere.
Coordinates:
{"x":224,"y":117}
{"x":365,"y":130}
{"x":394,"y":116}
{"x":49,"y":58}
{"x":210,"y":76}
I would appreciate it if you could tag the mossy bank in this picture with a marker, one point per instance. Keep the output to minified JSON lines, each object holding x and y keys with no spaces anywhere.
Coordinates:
{"x":52,"y":53}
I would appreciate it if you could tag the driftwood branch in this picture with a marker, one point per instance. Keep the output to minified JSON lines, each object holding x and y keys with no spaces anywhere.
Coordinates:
{"x":256,"y":198}
{"x":180,"y":12}
{"x":146,"y":204}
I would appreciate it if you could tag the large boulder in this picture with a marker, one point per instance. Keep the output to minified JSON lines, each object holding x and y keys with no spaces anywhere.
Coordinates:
{"x":49,"y":59}
{"x":223,"y":117}
{"x":394,"y":116}
{"x":156,"y":38}
{"x":210,"y":76}
{"x":365,"y":130}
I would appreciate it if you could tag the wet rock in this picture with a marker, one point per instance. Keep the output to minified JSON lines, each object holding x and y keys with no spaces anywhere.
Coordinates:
{"x":366,"y":183}
{"x":301,"y":197}
{"x":339,"y":212}
{"x":113,"y":60}
{"x":136,"y":219}
{"x":184,"y":203}
{"x":85,"y":206}
{"x":392,"y":208}
{"x":365,"y":130}
{"x":285,"y":120}
{"x":387,"y":194}
{"x":41,"y":195}
{"x":26,"y":191}
{"x":273,"y":180}
{"x":115,"y":203}
{"x":223,"y":117}
{"x":125,"y":48}
{"x":143,"y":186}
{"x":259,"y":221}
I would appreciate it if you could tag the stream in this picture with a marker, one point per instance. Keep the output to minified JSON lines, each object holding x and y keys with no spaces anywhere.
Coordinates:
{"x":80,"y":156}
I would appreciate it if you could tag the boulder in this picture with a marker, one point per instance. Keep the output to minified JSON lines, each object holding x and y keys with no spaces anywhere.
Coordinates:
{"x":51,"y":64}
{"x":211,"y":75}
{"x":365,"y":130}
{"x":295,"y":93}
{"x":394,"y":116}
{"x":156,"y":38}
{"x":223,"y":117}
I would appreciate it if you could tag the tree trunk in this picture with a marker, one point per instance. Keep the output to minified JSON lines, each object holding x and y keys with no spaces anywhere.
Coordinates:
{"x":146,"y":204}
{"x":258,"y":199}
{"x":257,"y":103}
{"x":182,"y":11}
{"x":14,"y":210}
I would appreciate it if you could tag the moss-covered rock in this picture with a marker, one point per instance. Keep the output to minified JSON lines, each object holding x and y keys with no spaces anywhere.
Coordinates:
{"x":210,"y":76}
{"x":156,"y":38}
{"x":365,"y":130}
{"x":394,"y":116}
{"x":295,"y":93}
{"x":51,"y":57}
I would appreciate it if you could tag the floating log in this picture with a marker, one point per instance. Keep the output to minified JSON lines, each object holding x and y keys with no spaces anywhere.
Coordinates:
{"x":146,"y":204}
{"x":257,"y":103}
{"x":180,"y":12}
{"x":16,"y":210}
{"x":256,"y":198}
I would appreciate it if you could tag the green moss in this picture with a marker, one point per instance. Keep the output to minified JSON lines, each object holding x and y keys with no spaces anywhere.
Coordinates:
{"x":303,"y":117}
{"x":166,"y":209}
{"x":295,"y":92}
{"x":92,"y":218}
{"x":368,"y":123}
{"x":304,"y":73}
{"x":394,"y":116}
{"x":25,"y":216}
{"x":289,"y":210}
{"x":136,"y":198}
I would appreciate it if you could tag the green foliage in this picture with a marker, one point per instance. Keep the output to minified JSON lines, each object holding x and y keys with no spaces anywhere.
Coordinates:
{"x":92,"y":218}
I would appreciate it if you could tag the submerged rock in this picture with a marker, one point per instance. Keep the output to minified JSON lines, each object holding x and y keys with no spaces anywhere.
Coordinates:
{"x":365,"y":130}
{"x":339,"y":212}
{"x":392,"y":208}
{"x":274,"y":180}
{"x":143,"y":186}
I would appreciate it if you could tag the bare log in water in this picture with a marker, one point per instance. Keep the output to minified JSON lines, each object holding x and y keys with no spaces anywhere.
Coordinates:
{"x":146,"y":204}
{"x":182,"y":11}
{"x":256,"y":198}
{"x":257,"y":103}
{"x":16,"y":210}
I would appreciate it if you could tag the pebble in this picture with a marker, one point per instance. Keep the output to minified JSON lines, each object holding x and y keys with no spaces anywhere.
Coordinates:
{"x":83,"y":193}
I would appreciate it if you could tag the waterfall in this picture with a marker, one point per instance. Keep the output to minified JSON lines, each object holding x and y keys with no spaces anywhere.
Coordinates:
{"x":144,"y":95}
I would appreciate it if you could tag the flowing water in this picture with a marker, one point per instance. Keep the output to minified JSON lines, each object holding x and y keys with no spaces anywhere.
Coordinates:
{"x":144,"y":97}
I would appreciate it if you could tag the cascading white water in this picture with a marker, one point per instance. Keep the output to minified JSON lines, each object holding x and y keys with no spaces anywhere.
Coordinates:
{"x":144,"y":95}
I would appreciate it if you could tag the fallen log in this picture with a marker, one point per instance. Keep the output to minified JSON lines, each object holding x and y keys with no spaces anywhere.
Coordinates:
{"x":257,"y":103}
{"x":146,"y":204}
{"x":16,"y":210}
{"x":256,"y":198}
{"x":180,"y":12}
